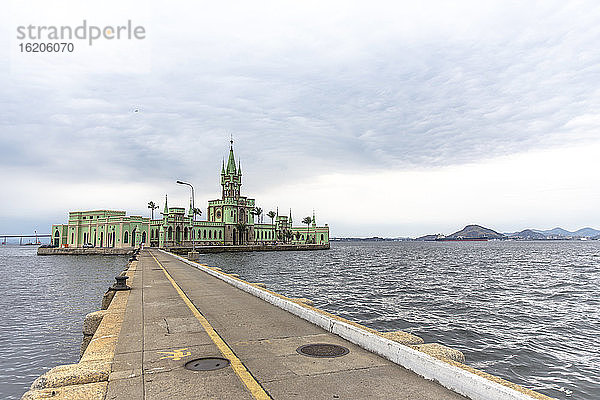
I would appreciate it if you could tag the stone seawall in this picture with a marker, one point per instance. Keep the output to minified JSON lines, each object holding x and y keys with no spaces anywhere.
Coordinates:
{"x":88,"y":379}
{"x":79,"y":251}
{"x":224,"y":249}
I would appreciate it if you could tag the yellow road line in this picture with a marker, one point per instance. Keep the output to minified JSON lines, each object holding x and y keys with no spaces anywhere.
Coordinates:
{"x":247,"y":379}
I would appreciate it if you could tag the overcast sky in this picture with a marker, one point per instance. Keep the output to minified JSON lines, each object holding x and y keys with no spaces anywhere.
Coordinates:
{"x":387,"y":118}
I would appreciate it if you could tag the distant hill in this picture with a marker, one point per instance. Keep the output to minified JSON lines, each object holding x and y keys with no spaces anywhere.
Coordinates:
{"x":529,"y":234}
{"x":587,"y":232}
{"x":583,"y":232}
{"x":556,"y":231}
{"x":475,"y":232}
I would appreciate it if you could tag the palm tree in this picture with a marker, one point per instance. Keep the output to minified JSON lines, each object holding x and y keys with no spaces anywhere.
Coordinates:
{"x":307,"y":221}
{"x":271,"y":214}
{"x":196,"y":211}
{"x":152,"y":206}
{"x":258,"y":212}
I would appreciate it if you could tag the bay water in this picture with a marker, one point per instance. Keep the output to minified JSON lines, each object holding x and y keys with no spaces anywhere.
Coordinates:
{"x":43,"y":302}
{"x":528,"y":312}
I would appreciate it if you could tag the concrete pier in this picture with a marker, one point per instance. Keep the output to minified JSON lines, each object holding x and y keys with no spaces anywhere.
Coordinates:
{"x":178,"y":312}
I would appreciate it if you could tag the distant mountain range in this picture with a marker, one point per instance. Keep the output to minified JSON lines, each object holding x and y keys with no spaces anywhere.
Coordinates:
{"x":583,"y":232}
{"x":478,"y":232}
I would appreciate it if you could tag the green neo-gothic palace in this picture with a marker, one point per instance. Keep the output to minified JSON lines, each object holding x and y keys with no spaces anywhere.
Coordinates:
{"x":230,"y":220}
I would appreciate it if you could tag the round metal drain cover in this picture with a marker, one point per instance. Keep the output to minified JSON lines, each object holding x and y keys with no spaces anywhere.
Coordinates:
{"x":207,"y":364}
{"x":322,"y":350}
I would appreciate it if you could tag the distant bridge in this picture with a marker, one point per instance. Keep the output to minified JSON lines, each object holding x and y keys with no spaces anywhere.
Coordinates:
{"x":37,"y":236}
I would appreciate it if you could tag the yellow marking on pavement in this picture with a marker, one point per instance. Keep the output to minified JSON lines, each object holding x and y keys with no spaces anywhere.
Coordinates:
{"x":175,"y":355}
{"x":247,"y":379}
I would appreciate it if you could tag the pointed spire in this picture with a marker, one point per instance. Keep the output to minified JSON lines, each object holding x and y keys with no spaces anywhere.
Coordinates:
{"x":231,"y":161}
{"x":223,"y":168}
{"x":239,"y":167}
{"x":166,"y":209}
{"x":290,"y":216}
{"x":191,"y":210}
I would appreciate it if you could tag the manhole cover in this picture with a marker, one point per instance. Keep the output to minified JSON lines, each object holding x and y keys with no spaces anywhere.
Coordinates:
{"x":207,"y":364}
{"x":322,"y":350}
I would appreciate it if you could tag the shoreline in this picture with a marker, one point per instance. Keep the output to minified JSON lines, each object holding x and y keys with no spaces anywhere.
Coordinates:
{"x":48,"y":251}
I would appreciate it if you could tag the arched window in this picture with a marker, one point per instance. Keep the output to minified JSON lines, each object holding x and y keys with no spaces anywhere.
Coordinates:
{"x":210,"y":234}
{"x":170,"y":233}
{"x":204,"y":234}
{"x":143,"y":237}
{"x":185,"y":233}
{"x":322,"y":237}
{"x":220,"y":234}
{"x":126,"y":237}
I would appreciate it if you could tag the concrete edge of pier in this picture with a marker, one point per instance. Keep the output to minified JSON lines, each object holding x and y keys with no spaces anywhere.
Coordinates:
{"x":88,"y":379}
{"x":80,"y":251}
{"x":437,"y":363}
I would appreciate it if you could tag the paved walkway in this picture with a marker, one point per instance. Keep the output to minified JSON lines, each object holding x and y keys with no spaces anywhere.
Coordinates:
{"x":177,"y":313}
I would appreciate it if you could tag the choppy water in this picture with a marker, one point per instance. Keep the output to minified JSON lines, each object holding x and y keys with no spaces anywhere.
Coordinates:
{"x":526,"y":311}
{"x":42,"y":305}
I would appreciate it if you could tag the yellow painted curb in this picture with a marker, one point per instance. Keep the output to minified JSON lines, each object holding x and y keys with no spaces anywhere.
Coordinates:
{"x":73,"y":374}
{"x":403,"y":337}
{"x":90,"y":391}
{"x":441,"y":352}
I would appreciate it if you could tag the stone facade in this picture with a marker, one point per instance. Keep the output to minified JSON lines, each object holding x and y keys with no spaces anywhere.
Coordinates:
{"x":230,"y":220}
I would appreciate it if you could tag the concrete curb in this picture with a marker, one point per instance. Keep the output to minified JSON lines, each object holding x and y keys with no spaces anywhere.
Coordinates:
{"x":460,"y":378}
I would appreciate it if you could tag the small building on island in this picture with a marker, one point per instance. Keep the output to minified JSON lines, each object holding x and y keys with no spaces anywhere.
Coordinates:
{"x":230,"y":220}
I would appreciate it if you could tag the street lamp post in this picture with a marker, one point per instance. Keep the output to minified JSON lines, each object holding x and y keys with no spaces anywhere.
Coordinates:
{"x":193,"y":214}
